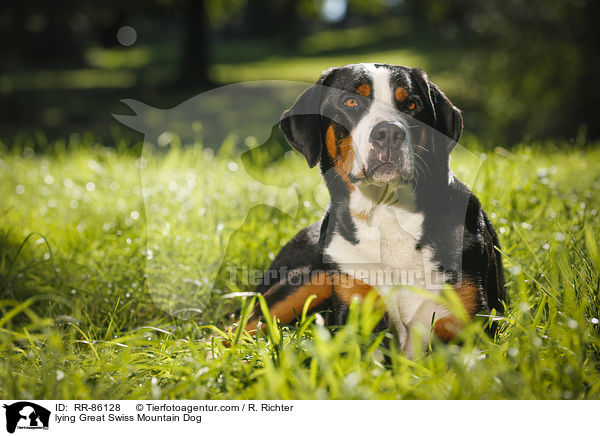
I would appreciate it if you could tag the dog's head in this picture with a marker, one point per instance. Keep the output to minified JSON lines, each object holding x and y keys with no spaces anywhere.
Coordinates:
{"x":374,"y":123}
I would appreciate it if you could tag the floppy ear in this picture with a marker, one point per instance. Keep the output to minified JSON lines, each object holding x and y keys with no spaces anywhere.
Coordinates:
{"x":301,"y":124}
{"x":446,"y":117}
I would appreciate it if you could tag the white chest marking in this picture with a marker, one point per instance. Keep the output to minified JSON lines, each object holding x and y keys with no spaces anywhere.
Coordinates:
{"x":386,"y":257}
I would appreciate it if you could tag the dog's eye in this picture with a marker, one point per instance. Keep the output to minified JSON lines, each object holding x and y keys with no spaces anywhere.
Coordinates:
{"x":351,"y":102}
{"x":413,"y":104}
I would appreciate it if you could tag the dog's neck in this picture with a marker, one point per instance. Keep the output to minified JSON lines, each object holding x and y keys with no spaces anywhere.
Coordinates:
{"x":374,"y":195}
{"x":369,"y":198}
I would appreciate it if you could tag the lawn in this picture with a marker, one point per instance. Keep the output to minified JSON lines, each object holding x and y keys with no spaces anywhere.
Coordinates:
{"x":105,"y":296}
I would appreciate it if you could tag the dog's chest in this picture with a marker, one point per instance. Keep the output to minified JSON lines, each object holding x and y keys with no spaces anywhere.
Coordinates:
{"x":388,"y":258}
{"x":387,"y":252}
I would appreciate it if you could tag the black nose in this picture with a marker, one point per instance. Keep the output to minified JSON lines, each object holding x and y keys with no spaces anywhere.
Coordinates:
{"x":387,"y":135}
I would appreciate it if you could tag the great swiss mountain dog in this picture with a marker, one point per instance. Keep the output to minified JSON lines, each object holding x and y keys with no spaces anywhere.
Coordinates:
{"x":398,"y":217}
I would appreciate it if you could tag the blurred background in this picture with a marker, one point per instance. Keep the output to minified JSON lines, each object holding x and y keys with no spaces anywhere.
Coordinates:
{"x":519,"y":70}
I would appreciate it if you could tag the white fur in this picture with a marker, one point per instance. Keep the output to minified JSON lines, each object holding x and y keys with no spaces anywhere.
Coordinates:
{"x":387,"y":259}
{"x":382,"y":109}
{"x":386,"y":256}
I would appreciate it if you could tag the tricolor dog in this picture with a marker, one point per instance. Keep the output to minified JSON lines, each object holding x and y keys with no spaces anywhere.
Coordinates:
{"x":398,"y":218}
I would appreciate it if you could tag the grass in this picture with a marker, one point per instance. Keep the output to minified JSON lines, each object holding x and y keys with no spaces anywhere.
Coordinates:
{"x":104,"y":296}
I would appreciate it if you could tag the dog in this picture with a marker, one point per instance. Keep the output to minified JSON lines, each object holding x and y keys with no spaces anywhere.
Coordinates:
{"x":398,"y":217}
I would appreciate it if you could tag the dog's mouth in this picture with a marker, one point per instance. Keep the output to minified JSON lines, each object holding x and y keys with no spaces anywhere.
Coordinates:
{"x":384,"y":172}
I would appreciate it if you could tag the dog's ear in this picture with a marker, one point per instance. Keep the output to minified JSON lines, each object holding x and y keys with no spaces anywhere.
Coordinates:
{"x":446,"y":118}
{"x":301,"y":124}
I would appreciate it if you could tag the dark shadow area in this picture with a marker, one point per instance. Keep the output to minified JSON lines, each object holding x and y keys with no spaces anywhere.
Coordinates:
{"x":520,"y":71}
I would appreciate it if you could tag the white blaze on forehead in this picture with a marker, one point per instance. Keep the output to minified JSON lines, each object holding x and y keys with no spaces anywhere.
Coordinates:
{"x":382,"y":86}
{"x":382,"y":109}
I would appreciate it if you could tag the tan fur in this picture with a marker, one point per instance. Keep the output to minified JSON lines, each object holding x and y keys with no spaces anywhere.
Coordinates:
{"x":289,"y":308}
{"x":448,"y":327}
{"x":400,"y":94}
{"x":364,"y":90}
{"x":342,"y":154}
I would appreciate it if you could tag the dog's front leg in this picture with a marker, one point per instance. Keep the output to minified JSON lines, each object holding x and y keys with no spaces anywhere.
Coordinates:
{"x":340,"y":309}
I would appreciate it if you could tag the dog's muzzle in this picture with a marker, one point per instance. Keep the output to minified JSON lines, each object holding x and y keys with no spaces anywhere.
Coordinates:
{"x":391,"y":155}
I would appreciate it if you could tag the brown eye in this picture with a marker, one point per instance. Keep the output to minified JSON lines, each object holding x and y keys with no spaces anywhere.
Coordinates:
{"x":412,"y":106}
{"x":351,"y":102}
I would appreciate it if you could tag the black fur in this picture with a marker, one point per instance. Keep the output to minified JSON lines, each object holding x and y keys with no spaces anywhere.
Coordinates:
{"x":455,"y":225}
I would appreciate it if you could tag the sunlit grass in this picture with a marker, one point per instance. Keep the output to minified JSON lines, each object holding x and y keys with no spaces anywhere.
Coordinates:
{"x":77,"y":319}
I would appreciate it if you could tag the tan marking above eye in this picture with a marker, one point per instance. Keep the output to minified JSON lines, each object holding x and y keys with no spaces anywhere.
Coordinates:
{"x":351,"y":102}
{"x":400,"y":93}
{"x":364,"y":90}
